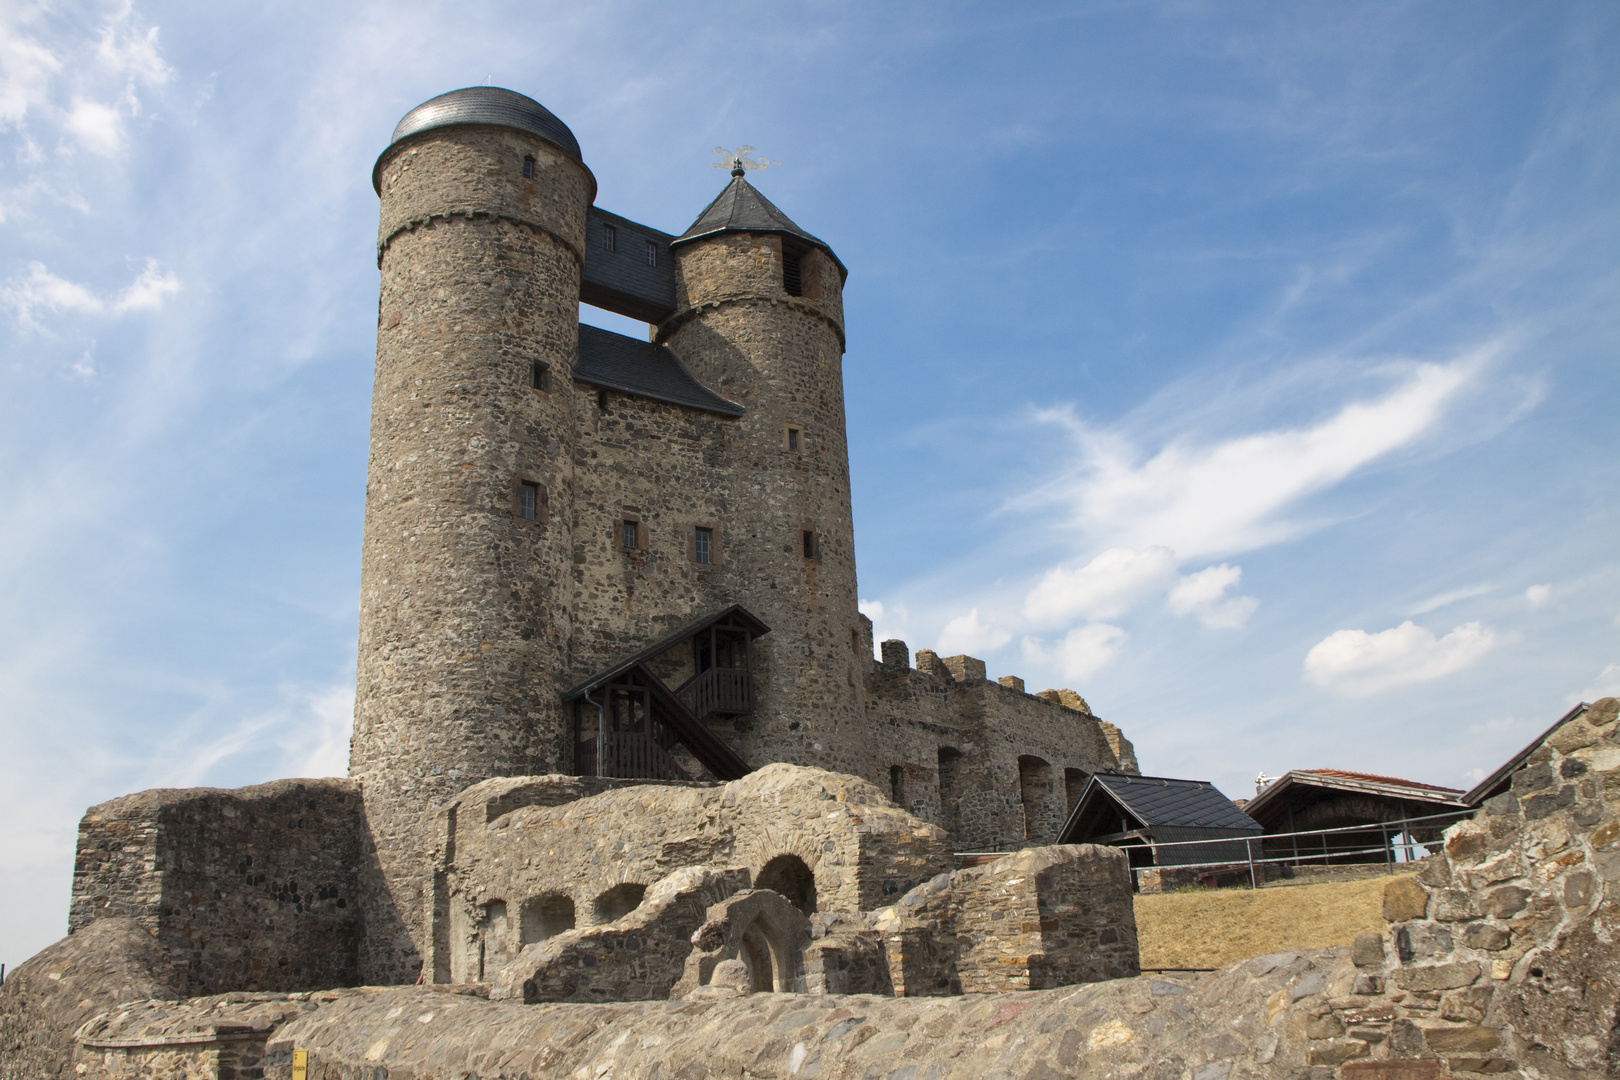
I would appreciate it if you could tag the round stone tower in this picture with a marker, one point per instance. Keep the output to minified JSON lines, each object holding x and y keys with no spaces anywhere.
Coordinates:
{"x":759,"y":318}
{"x":462,"y":640}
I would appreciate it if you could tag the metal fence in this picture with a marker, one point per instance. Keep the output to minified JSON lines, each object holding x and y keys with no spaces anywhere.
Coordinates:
{"x":1390,"y":842}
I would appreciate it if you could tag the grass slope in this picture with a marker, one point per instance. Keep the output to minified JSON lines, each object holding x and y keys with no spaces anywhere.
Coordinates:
{"x":1210,"y":929}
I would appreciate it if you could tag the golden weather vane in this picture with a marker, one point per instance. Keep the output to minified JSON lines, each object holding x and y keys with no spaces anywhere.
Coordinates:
{"x":739,"y":162}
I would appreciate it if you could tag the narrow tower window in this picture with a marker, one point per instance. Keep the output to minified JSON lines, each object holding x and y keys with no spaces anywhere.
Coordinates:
{"x":703,"y":548}
{"x":540,"y":376}
{"x":629,"y":535}
{"x":809,"y":537}
{"x":652,"y":253}
{"x":795,"y":436}
{"x":528,"y":500}
{"x":610,"y":238}
{"x":792,"y":278}
{"x":528,"y":167}
{"x":897,"y":785}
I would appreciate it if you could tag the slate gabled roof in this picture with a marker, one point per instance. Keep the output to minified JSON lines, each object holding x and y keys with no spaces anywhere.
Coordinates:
{"x":1159,"y":800}
{"x":741,"y":208}
{"x":615,"y":362}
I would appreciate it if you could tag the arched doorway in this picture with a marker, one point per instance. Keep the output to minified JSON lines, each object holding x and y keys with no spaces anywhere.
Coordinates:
{"x":788,"y":875}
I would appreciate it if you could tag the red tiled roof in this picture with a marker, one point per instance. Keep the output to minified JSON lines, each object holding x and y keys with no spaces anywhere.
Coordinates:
{"x":1376,"y":779}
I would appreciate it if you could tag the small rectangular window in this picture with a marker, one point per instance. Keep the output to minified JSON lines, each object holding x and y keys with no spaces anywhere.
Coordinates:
{"x":629,"y":534}
{"x":703,"y":549}
{"x":809,"y":543}
{"x":792,"y":275}
{"x":794,"y":435}
{"x":528,"y":168}
{"x":610,"y":238}
{"x":652,"y":253}
{"x":540,"y":376}
{"x":528,"y":500}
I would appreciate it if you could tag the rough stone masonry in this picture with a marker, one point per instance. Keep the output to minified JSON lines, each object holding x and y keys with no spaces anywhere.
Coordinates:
{"x":1499,"y":960}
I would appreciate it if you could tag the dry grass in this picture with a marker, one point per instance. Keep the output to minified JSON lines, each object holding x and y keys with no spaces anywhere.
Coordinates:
{"x":1210,"y":929}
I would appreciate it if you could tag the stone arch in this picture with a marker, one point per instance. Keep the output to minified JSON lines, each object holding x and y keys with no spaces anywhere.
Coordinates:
{"x":617,"y":902}
{"x":545,"y":917}
{"x":790,"y":876}
{"x":1074,"y":782}
{"x":758,"y":927}
{"x":1034,"y":792}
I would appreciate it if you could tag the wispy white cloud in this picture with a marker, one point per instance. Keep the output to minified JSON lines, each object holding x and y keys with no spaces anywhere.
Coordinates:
{"x":967,"y":633}
{"x":1440,"y":600}
{"x":1204,"y":594}
{"x":1607,"y":684}
{"x":1355,"y":663}
{"x":1080,"y":653}
{"x":1537,"y":596}
{"x":1104,"y":587}
{"x":40,"y":290}
{"x":1233,"y":495}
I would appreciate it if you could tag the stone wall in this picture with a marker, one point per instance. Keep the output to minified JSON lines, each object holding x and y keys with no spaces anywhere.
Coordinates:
{"x":1500,"y":960}
{"x":856,"y":849}
{"x":986,"y":761}
{"x":1043,"y":917}
{"x":252,"y":889}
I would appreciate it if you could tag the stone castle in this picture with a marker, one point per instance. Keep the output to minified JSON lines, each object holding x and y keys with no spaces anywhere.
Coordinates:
{"x":590,"y":554}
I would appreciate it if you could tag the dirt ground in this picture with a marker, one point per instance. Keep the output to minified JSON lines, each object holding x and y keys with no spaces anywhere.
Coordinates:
{"x":1210,"y":929}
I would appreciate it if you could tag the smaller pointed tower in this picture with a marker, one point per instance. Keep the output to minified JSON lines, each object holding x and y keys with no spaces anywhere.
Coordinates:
{"x":759,"y":317}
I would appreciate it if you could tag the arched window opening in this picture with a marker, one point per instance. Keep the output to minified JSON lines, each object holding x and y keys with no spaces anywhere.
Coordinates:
{"x":1074,"y":782}
{"x":546,"y":917}
{"x":1034,"y":791}
{"x":788,"y":875}
{"x":755,"y":954}
{"x":618,"y":902}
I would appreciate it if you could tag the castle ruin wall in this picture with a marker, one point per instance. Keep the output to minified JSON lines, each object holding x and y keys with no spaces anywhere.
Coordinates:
{"x":996,"y":767}
{"x":255,"y":888}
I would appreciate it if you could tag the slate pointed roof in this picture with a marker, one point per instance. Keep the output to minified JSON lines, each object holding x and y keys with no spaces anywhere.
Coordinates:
{"x":741,"y":208}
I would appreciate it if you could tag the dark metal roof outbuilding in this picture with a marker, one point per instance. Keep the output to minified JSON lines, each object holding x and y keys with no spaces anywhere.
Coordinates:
{"x":482,"y":105}
{"x":1141,"y":812}
{"x":741,"y":208}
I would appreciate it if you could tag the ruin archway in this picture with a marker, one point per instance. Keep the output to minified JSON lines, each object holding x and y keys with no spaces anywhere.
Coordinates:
{"x":788,"y":875}
{"x":1074,"y":782}
{"x":617,"y":902}
{"x":1034,"y":792}
{"x":546,"y":917}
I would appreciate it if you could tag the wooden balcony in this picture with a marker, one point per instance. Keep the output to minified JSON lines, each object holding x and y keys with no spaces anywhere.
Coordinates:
{"x":718,"y":692}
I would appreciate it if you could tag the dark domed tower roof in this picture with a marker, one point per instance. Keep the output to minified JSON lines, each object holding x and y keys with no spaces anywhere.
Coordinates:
{"x":741,"y":208}
{"x":482,"y":105}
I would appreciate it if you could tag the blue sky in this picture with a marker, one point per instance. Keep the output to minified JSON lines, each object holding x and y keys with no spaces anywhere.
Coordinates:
{"x":1249,"y":368}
